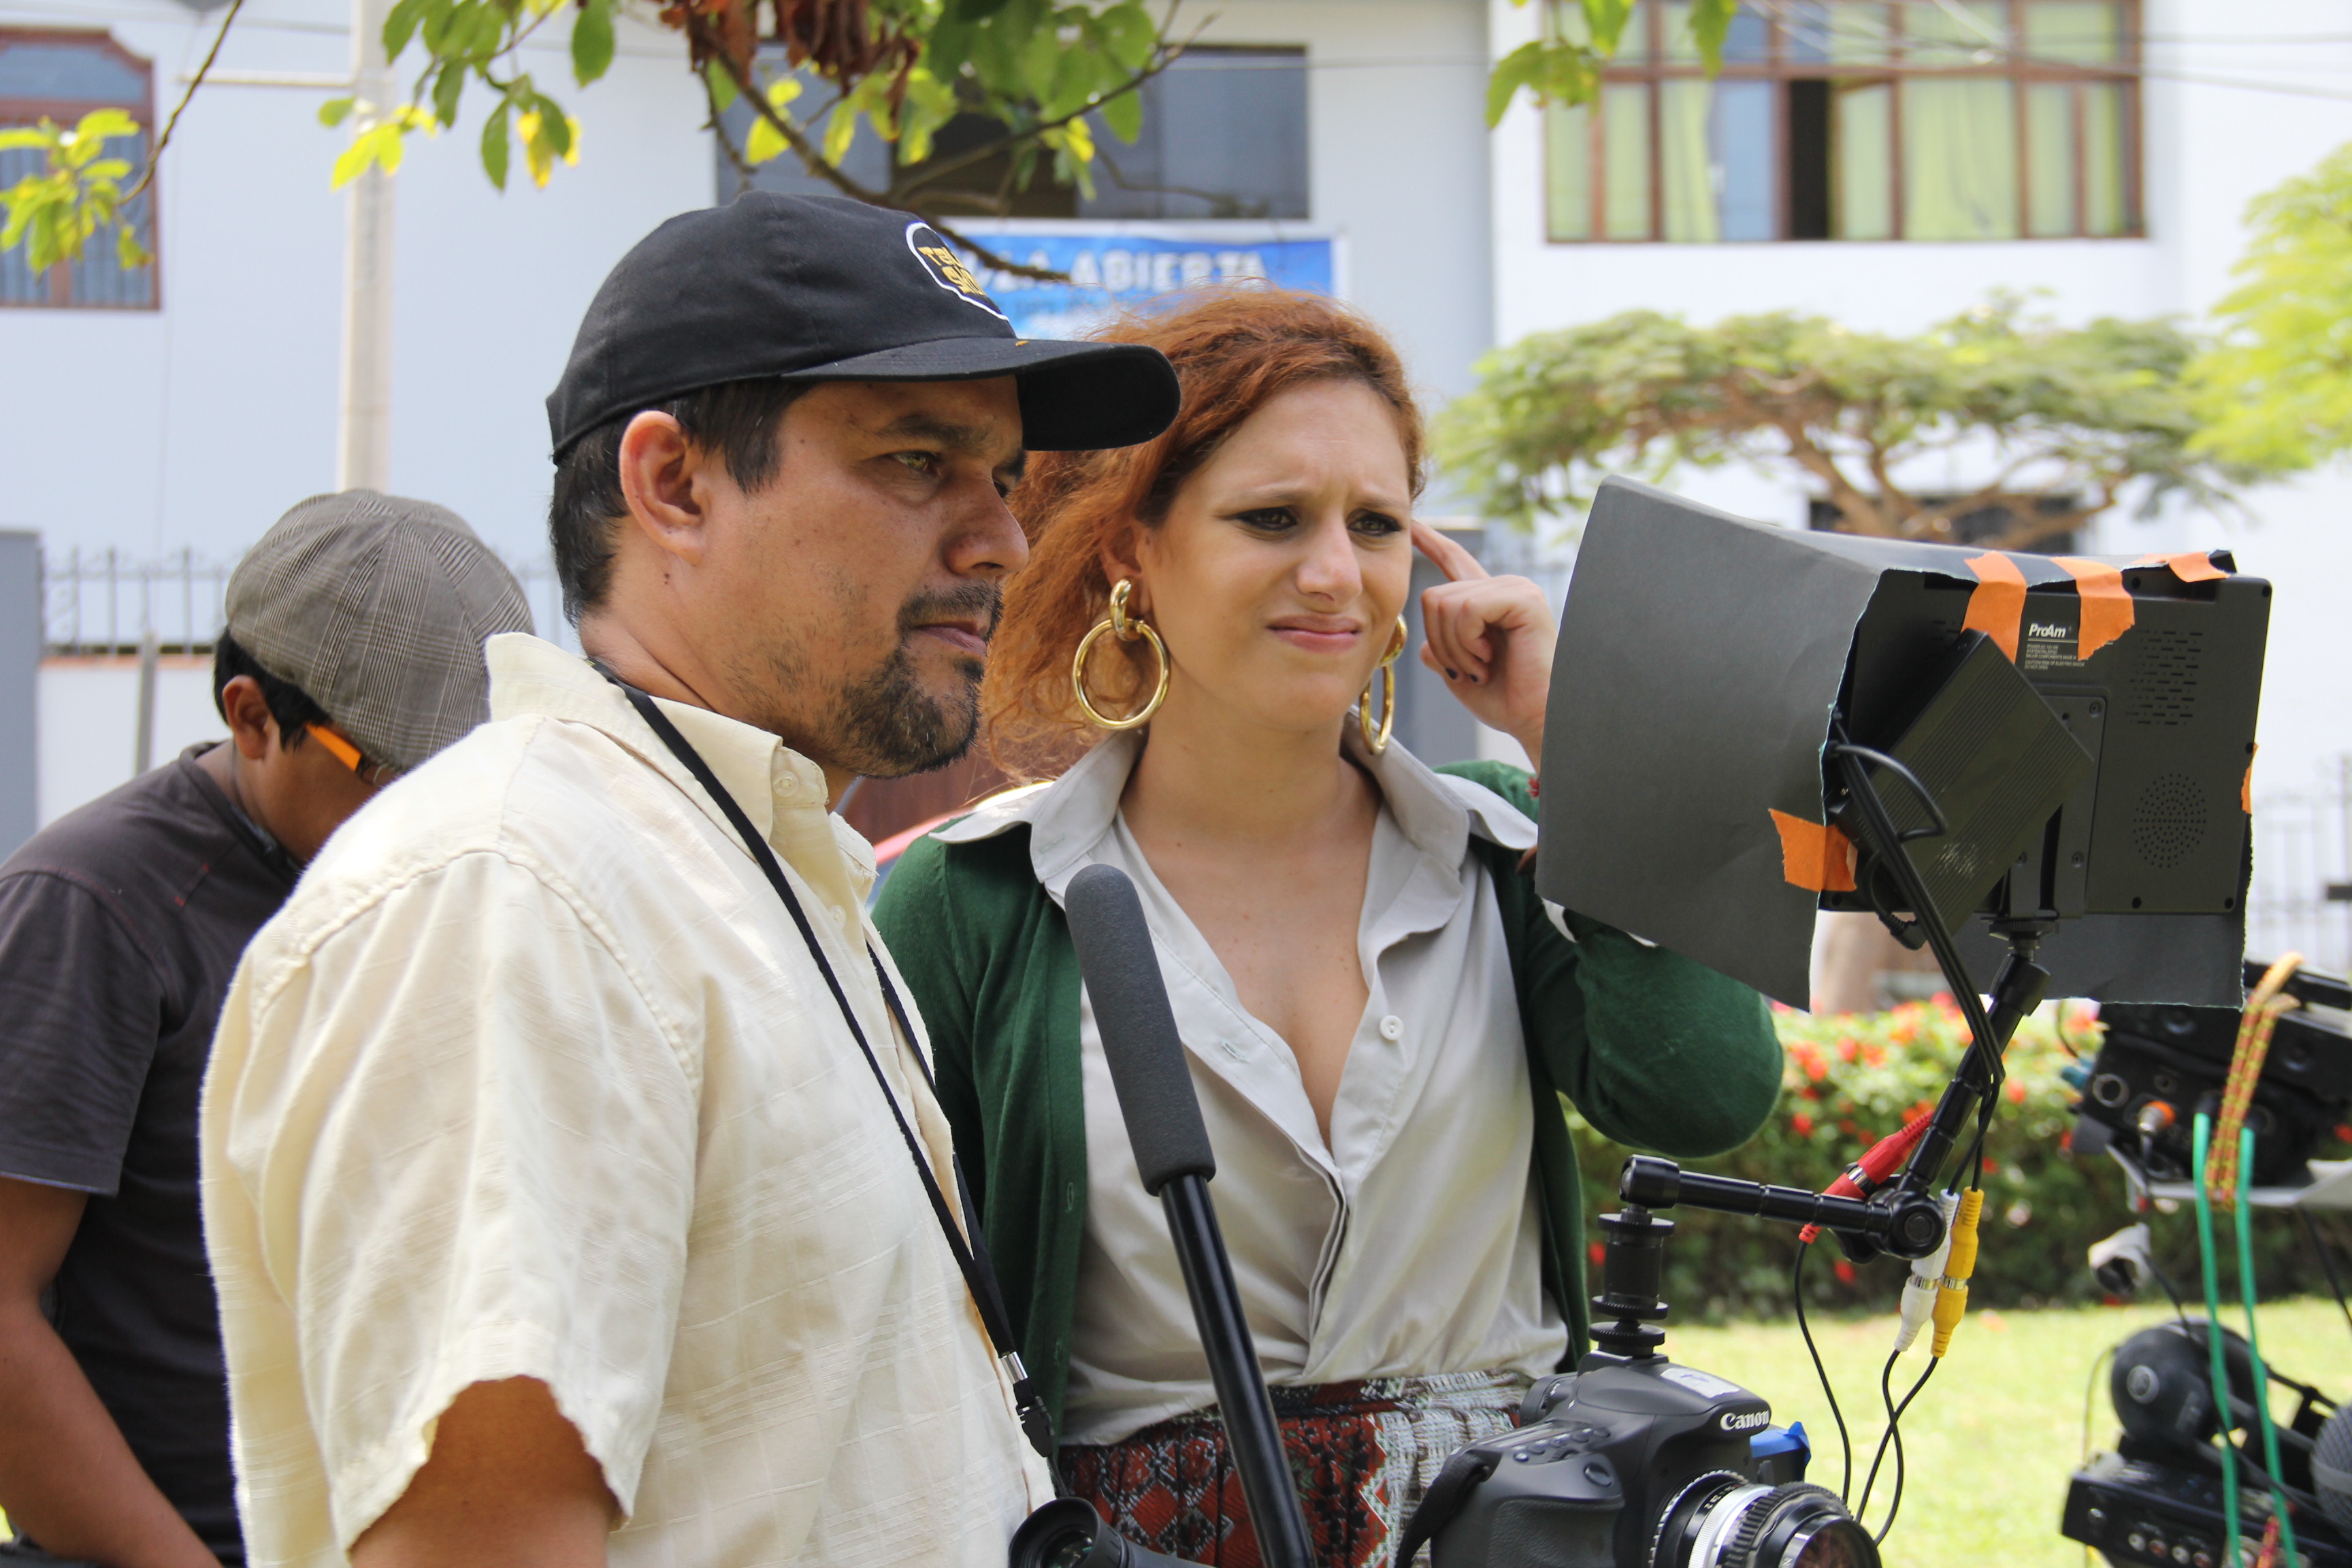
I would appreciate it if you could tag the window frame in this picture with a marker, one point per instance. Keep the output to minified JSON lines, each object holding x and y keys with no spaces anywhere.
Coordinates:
{"x":1779,"y":68}
{"x":68,"y":112}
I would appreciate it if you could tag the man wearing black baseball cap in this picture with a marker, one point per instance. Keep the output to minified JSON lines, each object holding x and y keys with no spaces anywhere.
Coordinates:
{"x":629,"y":1223}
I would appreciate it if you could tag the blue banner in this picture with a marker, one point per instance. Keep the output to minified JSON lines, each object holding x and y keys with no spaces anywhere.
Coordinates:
{"x":1112,"y":269}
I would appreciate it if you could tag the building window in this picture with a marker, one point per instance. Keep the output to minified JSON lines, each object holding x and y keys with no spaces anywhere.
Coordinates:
{"x":1225,"y":136}
{"x":62,"y":75}
{"x":1858,"y":120}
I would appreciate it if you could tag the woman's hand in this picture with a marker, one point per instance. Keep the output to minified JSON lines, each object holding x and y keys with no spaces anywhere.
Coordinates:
{"x":1490,"y":638}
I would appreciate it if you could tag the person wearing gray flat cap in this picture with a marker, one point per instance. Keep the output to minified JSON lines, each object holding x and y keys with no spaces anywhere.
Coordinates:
{"x":631,"y":1228}
{"x":352,"y":653}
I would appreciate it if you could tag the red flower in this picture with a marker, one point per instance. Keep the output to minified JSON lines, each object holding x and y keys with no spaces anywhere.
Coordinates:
{"x":1845,"y":1050}
{"x":1818,"y":1070}
{"x":1802,"y":1123}
{"x":2016,"y":1092}
{"x":1843,"y":1271}
{"x":1874,"y":1054}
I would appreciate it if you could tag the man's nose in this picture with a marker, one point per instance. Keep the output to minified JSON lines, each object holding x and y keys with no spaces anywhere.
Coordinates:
{"x":987,"y":541}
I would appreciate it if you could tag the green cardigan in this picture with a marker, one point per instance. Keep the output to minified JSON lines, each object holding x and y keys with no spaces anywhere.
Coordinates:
{"x":1654,"y":1050}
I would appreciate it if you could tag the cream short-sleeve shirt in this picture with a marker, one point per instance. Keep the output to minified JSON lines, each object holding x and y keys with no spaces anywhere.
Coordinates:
{"x":533,"y":1077}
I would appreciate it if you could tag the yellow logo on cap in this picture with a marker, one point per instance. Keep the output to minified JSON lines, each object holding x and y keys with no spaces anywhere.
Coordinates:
{"x":947,"y":268}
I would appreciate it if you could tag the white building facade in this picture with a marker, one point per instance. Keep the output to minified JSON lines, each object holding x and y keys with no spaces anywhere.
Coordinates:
{"x":190,"y":423}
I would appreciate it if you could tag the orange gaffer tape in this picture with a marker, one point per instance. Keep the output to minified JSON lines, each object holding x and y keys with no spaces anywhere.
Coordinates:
{"x":2246,"y":790}
{"x":2106,"y":604}
{"x":1997,"y":605}
{"x":1814,"y":856}
{"x":2189,"y":566}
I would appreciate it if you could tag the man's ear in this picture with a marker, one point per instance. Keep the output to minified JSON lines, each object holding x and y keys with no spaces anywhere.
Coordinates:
{"x":664,"y":477}
{"x":251,"y":726}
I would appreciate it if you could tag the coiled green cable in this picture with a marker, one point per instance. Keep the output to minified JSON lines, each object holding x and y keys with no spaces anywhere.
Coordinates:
{"x":2203,"y":1136}
{"x":2254,"y":1345}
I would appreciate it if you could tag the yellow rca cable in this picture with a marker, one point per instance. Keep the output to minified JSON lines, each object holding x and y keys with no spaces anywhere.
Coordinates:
{"x":1952,"y":1300}
{"x":1926,"y":1280}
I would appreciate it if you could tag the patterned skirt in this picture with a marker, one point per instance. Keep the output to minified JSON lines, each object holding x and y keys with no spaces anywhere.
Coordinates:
{"x":1361,"y":1454}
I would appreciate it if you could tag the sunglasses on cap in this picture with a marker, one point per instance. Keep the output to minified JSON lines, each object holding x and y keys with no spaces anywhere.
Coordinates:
{"x":339,"y":746}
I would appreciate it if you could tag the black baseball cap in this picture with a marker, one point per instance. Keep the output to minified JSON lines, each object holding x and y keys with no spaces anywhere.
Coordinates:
{"x":826,"y":289}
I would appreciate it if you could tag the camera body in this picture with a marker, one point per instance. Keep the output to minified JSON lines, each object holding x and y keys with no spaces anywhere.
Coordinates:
{"x":2156,"y":1499}
{"x":2160,"y":1066}
{"x":1637,"y":1463}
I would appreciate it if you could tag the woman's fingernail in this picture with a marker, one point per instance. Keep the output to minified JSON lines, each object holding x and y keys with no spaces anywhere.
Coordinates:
{"x":1453,"y":675}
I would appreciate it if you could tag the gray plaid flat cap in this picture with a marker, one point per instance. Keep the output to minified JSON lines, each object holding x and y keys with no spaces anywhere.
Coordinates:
{"x":377,"y":607}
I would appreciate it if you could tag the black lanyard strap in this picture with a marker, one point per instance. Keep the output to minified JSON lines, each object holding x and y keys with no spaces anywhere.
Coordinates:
{"x":971,"y":1253}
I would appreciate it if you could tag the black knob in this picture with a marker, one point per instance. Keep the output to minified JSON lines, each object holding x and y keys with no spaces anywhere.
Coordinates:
{"x":1651,"y":1182}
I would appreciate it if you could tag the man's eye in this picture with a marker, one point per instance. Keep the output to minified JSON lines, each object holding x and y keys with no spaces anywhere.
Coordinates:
{"x":921,"y":462}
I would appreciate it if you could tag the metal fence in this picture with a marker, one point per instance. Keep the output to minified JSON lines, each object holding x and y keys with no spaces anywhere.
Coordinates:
{"x":2301,"y":896}
{"x":105,"y":603}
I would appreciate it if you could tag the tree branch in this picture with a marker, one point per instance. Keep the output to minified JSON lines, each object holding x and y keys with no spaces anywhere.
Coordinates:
{"x":940,"y":169}
{"x":195,"y":82}
{"x":816,"y":164}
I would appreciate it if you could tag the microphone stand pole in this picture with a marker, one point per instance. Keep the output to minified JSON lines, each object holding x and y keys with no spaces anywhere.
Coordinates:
{"x":1251,"y":1430}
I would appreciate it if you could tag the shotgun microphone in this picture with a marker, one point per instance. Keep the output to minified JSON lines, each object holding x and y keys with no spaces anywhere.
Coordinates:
{"x":1171,"y":1154}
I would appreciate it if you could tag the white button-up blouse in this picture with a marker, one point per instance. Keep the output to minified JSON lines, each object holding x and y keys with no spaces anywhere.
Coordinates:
{"x":1407,"y":1245}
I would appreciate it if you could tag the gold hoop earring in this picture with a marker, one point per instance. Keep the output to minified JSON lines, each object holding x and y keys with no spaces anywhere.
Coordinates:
{"x":1384,"y":677}
{"x":1120,"y":625}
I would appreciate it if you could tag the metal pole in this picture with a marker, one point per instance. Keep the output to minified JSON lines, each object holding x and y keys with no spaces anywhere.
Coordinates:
{"x":143,"y":753}
{"x":363,"y":445}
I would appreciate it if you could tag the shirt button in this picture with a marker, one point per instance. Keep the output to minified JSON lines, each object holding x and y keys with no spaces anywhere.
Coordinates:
{"x":786,"y":783}
{"x":1393,"y":1028}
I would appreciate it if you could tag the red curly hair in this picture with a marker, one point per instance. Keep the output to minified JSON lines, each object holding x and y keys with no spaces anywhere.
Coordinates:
{"x":1234,"y":349}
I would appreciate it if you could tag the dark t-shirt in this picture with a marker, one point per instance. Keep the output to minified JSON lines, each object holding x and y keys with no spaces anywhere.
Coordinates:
{"x":121,"y":925}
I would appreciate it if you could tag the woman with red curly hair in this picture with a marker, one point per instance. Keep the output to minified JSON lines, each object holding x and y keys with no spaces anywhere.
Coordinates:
{"x":1381,"y":1014}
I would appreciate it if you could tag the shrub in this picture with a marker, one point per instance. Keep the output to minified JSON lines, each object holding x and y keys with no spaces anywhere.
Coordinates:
{"x":1848,"y":1080}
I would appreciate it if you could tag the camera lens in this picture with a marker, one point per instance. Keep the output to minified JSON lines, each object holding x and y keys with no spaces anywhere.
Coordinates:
{"x":1724,"y":1520}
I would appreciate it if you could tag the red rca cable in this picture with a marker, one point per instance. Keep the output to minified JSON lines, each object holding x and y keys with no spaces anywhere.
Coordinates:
{"x":1870,"y":1173}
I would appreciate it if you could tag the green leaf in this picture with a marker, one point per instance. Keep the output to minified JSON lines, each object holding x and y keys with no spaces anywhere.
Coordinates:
{"x":446,"y":90}
{"x":558,"y":127}
{"x":1710,"y":24}
{"x":1128,"y":36}
{"x":128,"y":251}
{"x":1123,"y":116}
{"x":498,"y":145}
{"x":332,"y":114}
{"x":841,"y":129}
{"x":1512,"y":72}
{"x":722,"y":85}
{"x":400,"y":25}
{"x":1606,"y":21}
{"x":592,"y":40}
{"x":100,"y":124}
{"x":973,"y":10}
{"x":764,"y":142}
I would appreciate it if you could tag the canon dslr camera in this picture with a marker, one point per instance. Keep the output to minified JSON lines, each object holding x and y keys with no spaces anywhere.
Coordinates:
{"x":1635,"y":1462}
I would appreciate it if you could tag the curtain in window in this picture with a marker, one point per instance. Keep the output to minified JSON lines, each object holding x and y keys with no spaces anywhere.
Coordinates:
{"x":1862,"y":154}
{"x":1959,"y":159}
{"x":1625,"y":178}
{"x":2103,"y":160}
{"x":1691,"y":215}
{"x":1567,"y":172}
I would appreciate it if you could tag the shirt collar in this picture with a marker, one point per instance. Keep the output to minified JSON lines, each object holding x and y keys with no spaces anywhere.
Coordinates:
{"x":1437,"y":813}
{"x":766,"y":778}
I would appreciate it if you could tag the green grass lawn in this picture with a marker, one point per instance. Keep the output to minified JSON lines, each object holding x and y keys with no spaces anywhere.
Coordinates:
{"x":1993,"y":1437}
